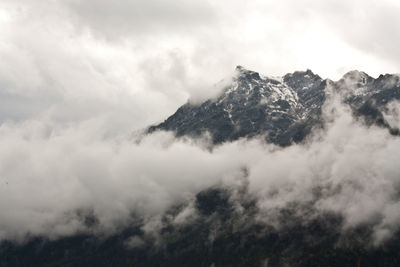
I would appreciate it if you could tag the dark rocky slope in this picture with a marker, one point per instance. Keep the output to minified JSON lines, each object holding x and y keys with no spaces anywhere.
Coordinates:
{"x":282,"y":109}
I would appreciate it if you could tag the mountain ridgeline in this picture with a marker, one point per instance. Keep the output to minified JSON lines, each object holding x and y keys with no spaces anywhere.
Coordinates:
{"x":281,"y":109}
{"x":223,"y":227}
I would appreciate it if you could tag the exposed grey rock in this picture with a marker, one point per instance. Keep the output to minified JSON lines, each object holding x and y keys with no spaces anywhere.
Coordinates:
{"x":281,"y":109}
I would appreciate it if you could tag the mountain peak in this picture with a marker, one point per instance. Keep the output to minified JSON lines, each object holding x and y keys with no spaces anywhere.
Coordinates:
{"x":247,"y":74}
{"x":307,"y":74}
{"x":239,"y":68}
{"x":282,"y":110}
{"x":357,"y":77}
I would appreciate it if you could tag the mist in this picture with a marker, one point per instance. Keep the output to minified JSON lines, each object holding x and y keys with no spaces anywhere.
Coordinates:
{"x":53,"y":174}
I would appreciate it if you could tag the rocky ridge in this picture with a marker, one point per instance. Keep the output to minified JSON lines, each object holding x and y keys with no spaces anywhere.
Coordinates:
{"x":281,"y":109}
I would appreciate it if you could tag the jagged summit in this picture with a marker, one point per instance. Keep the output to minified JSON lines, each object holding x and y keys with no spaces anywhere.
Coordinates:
{"x":240,"y":68}
{"x":281,"y":109}
{"x":307,"y":73}
{"x":356,"y":75}
{"x":356,"y":78}
{"x":388,"y":80}
{"x":243,"y":72}
{"x":252,"y":105}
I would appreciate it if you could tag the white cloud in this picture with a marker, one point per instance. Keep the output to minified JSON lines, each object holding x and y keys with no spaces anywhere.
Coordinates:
{"x":49,"y":173}
{"x":124,"y":56}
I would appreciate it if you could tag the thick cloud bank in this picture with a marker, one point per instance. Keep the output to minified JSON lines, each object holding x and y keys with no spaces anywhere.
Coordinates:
{"x":53,"y":177}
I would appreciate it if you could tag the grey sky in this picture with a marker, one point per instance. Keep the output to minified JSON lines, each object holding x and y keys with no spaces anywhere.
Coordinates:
{"x":96,"y":53}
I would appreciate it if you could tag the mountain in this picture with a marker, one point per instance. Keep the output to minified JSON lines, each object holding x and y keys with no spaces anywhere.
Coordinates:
{"x":219,"y":236}
{"x":368,"y":97}
{"x":225,"y":230}
{"x":281,"y":109}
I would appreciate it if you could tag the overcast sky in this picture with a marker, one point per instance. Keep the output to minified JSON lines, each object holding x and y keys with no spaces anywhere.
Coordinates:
{"x":138,"y":61}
